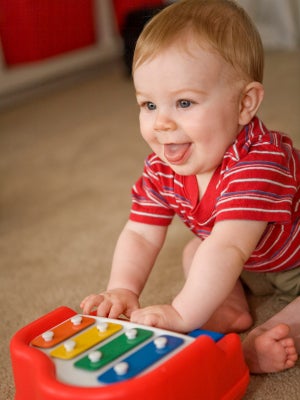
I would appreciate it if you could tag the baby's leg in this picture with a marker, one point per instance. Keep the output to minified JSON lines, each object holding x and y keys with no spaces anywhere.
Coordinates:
{"x":274,"y":346}
{"x":233,"y":315}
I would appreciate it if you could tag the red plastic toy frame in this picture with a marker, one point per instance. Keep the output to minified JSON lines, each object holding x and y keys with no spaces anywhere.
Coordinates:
{"x":213,"y":371}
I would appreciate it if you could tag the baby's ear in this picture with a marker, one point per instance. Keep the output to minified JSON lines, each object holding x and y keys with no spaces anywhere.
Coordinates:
{"x":251,"y":99}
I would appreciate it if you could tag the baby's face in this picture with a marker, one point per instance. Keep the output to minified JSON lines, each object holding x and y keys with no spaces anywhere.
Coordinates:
{"x":189,"y":107}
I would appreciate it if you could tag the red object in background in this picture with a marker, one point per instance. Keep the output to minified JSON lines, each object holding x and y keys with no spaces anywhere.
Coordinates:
{"x":123,"y":7}
{"x":32,"y":30}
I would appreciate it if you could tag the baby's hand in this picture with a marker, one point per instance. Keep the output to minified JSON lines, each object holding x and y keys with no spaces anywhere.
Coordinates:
{"x":160,"y":316}
{"x":112,"y":303}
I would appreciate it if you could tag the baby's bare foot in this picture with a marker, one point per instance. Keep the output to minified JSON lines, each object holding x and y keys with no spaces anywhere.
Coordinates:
{"x":270,"y":350}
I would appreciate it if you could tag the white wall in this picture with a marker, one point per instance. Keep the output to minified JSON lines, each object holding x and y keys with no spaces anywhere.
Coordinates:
{"x":278,"y":21}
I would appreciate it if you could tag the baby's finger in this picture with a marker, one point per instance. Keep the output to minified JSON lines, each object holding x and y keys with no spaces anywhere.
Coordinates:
{"x":104,"y":307}
{"x":116,"y":310}
{"x":82,"y":304}
{"x":145,"y":318}
{"x":132,"y":307}
{"x":90,"y":302}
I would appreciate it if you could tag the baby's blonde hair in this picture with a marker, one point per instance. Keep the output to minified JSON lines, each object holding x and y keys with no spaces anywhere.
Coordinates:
{"x":222,"y":24}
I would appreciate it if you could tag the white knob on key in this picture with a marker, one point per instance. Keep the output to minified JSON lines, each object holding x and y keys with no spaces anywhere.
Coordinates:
{"x":121,"y":368}
{"x":76,"y":320}
{"x":48,"y":336}
{"x":95,"y":356}
{"x":102,"y":326}
{"x":160,"y":342}
{"x":131,"y":334}
{"x":69,"y":345}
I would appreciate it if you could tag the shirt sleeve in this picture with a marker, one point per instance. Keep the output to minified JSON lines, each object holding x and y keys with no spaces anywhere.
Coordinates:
{"x":261,"y":187}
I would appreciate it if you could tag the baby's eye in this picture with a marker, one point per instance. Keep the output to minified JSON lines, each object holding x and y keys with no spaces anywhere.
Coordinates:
{"x":184,"y":103}
{"x":151,"y":106}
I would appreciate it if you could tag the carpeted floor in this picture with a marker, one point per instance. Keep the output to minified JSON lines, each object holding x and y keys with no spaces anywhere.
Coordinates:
{"x":68,"y":159}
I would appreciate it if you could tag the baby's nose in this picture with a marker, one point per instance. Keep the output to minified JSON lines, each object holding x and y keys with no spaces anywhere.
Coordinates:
{"x":164,"y":122}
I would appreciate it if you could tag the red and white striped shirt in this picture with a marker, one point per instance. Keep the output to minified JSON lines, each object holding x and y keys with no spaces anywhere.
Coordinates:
{"x":259,"y":179}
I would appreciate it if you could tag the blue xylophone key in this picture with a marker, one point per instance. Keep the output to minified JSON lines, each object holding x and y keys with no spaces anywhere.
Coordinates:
{"x":142,"y":359}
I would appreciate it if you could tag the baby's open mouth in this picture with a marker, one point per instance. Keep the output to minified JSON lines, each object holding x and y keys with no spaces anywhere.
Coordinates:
{"x":176,"y":153}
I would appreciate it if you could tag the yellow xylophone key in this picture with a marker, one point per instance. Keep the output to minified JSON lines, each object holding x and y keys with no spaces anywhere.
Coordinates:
{"x":79,"y":344}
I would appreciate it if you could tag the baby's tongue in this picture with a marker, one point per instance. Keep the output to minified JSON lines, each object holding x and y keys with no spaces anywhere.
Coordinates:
{"x":175,"y":152}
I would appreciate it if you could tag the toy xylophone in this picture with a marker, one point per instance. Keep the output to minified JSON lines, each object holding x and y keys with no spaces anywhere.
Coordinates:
{"x":68,"y":356}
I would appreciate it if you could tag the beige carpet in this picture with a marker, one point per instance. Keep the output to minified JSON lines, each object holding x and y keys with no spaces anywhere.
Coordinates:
{"x":68,"y":159}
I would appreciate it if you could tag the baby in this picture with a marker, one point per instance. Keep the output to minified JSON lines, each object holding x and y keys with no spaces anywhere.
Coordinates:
{"x":198,"y":71}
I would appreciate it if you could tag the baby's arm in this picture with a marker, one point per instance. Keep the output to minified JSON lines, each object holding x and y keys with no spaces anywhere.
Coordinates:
{"x":134,"y":257}
{"x":215,"y":269}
